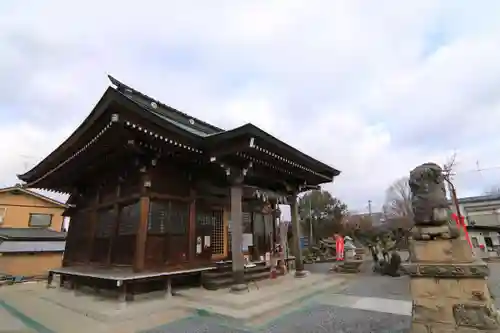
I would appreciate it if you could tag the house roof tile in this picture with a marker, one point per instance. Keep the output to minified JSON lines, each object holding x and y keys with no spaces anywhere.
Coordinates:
{"x":31,"y":234}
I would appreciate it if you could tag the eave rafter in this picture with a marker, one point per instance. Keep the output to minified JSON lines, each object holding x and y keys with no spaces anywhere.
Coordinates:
{"x":285,"y":161}
{"x":90,"y":143}
{"x":248,"y":149}
{"x":256,"y":175}
{"x":161,"y":138}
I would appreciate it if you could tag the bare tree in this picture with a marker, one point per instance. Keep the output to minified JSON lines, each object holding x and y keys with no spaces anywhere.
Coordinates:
{"x":448,"y":173}
{"x":449,"y":167}
{"x":398,"y":200}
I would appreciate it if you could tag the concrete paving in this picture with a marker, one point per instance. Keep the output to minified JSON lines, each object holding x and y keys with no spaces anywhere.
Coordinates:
{"x":368,"y":303}
{"x":11,"y":323}
{"x":357,"y":307}
{"x":263,"y":300}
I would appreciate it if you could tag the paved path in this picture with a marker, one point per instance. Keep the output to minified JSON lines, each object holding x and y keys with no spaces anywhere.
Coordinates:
{"x":369,"y":303}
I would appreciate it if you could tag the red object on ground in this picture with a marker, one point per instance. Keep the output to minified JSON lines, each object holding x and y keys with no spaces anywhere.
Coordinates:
{"x":339,"y":247}
{"x":461,"y":224}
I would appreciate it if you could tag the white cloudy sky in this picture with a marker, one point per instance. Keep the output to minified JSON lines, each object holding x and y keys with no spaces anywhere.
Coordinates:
{"x":370,"y":87}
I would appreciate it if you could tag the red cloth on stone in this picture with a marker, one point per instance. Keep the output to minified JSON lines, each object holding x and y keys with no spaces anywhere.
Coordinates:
{"x":339,"y":247}
{"x":461,"y":224}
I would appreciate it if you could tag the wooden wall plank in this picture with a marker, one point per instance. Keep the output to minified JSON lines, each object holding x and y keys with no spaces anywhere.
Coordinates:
{"x":192,"y":227}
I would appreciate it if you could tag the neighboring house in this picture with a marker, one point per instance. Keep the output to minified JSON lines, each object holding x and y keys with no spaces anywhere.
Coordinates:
{"x":482,"y":218}
{"x":31,"y":241}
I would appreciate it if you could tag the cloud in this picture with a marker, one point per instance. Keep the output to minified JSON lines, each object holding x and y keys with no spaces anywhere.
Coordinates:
{"x":370,"y":88}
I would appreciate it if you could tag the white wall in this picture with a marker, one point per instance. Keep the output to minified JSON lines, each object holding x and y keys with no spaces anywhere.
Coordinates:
{"x":480,"y":235}
{"x":483,"y":213}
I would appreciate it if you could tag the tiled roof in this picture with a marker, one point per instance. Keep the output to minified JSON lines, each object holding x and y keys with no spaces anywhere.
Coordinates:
{"x":20,"y":189}
{"x":31,"y":234}
{"x":168,"y":113}
{"x":201,"y":136}
{"x":480,"y":198}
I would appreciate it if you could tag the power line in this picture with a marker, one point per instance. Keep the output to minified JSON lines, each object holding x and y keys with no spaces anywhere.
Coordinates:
{"x":478,"y":170}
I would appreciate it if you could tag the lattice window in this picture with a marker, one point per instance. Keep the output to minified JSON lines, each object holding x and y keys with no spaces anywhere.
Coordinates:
{"x":105,"y":223}
{"x":170,"y":217}
{"x":246,"y":222}
{"x":259,"y":224}
{"x":179,"y":218}
{"x":159,"y":215}
{"x":217,"y":241}
{"x":129,"y":219}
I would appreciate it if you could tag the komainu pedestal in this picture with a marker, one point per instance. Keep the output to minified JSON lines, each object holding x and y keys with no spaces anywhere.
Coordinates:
{"x":448,"y":284}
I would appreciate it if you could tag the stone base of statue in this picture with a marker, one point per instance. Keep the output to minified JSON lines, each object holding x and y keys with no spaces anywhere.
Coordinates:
{"x":449,"y":288}
{"x":448,"y":284}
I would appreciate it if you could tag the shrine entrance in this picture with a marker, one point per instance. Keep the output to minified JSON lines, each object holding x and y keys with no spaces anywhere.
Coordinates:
{"x":168,"y":233}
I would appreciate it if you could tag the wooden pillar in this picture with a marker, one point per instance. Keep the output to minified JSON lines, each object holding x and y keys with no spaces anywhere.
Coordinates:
{"x":116,"y":223}
{"x":299,"y":262}
{"x":237,"y":236}
{"x":93,"y":223}
{"x":192,"y":227}
{"x":283,"y":243}
{"x":274,"y":205}
{"x":142,"y":228}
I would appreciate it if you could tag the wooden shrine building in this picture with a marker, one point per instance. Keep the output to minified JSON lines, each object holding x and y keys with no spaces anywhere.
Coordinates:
{"x":152,"y":190}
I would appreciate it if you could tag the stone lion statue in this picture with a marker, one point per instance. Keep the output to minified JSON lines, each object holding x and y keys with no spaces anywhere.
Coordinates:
{"x":430,"y":206}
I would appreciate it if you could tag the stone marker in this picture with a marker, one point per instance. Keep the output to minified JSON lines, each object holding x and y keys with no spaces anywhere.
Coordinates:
{"x":448,"y":285}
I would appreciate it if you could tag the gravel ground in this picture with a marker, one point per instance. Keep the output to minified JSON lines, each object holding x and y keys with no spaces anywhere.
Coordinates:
{"x":333,"y":319}
{"x":312,"y":319}
{"x":369,"y":284}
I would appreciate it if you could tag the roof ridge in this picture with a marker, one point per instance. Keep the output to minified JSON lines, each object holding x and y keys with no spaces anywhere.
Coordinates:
{"x":19,"y":187}
{"x":122,"y":86}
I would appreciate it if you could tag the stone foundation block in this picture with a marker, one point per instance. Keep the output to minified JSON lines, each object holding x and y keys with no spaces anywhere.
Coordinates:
{"x":467,"y":289}
{"x":477,"y":316}
{"x":441,"y":251}
{"x":430,"y":310}
{"x":419,"y":328}
{"x":445,"y":328}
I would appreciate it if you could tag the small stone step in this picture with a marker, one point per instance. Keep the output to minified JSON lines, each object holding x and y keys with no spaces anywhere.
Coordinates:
{"x":214,"y":284}
{"x":348,"y":270}
{"x":227,"y":272}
